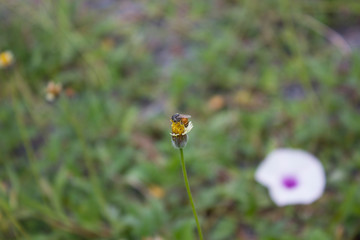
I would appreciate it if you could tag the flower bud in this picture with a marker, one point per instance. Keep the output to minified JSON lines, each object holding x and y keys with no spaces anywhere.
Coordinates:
{"x":179,"y":141}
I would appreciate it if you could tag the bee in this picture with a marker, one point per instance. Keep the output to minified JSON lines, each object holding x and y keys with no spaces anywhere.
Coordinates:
{"x":183,"y":118}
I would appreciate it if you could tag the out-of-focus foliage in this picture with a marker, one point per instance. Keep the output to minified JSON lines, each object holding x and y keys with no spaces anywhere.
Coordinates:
{"x":98,"y":162}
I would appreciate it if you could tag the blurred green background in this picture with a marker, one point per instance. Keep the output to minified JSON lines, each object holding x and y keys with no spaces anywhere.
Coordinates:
{"x":255,"y":75}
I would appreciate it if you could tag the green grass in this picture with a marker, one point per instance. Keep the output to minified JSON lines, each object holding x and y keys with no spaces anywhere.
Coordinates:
{"x":83,"y":166}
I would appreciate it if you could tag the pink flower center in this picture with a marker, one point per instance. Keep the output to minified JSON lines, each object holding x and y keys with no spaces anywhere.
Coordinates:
{"x":289,"y":182}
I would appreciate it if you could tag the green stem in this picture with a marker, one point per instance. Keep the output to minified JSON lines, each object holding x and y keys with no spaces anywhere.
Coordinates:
{"x":189,"y":193}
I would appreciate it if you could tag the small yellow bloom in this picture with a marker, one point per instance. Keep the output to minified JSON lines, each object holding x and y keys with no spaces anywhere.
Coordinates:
{"x":180,"y":127}
{"x":177,"y":128}
{"x":53,"y":90}
{"x":6,"y":59}
{"x":156,"y":191}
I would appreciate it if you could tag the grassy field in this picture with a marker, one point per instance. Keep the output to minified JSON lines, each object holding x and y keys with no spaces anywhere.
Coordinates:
{"x":97,"y":163}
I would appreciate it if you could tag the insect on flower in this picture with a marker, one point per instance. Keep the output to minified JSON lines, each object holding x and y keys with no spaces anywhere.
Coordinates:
{"x":6,"y":59}
{"x":183,"y":118}
{"x":180,"y":127}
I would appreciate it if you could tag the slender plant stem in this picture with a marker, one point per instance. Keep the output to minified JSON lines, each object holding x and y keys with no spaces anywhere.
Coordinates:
{"x":189,"y":193}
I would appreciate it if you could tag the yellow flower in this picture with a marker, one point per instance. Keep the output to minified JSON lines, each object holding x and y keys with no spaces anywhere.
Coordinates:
{"x":53,"y":90}
{"x":180,"y":127}
{"x":6,"y":59}
{"x":156,"y":191}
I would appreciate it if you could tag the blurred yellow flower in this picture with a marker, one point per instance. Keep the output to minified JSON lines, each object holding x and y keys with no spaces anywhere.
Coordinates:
{"x":53,"y":90}
{"x":156,"y":191}
{"x":6,"y":59}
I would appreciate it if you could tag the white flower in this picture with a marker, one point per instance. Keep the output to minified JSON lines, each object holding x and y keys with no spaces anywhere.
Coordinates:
{"x":53,"y":90}
{"x":292,"y":177}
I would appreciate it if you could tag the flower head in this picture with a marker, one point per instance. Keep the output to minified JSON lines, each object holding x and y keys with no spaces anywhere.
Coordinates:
{"x":6,"y":59}
{"x":53,"y":90}
{"x":292,"y":177}
{"x":156,"y":191}
{"x":180,"y":127}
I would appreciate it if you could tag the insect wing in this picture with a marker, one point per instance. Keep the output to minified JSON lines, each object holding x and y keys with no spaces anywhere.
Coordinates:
{"x":184,"y":116}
